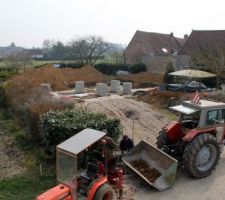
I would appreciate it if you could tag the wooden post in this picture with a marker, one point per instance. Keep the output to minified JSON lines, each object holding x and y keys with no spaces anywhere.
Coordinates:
{"x":133,"y":131}
{"x":41,"y":172}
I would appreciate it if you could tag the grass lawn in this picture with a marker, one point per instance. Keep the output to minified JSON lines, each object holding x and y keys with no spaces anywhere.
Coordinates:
{"x":26,"y":186}
{"x":38,"y":63}
{"x":29,"y":184}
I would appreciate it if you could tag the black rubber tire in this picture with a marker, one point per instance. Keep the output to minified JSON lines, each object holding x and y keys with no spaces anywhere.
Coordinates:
{"x":191,"y":152}
{"x":162,"y":140}
{"x":103,"y":190}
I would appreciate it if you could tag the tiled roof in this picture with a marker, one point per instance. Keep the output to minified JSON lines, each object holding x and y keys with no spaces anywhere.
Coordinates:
{"x":203,"y":40}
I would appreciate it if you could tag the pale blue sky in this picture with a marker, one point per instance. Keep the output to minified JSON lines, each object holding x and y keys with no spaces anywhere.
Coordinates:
{"x":29,"y":22}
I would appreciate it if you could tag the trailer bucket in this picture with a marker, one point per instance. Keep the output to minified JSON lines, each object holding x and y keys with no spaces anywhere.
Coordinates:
{"x":154,"y":166}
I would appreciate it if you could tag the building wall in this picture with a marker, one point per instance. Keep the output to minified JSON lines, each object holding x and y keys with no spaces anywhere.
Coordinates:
{"x":158,"y":64}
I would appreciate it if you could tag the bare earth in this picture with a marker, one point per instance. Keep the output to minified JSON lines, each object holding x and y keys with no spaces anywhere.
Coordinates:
{"x":147,"y":121}
{"x":147,"y":124}
{"x":10,"y":157}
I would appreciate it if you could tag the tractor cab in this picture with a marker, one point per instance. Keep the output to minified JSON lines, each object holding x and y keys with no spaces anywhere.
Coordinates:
{"x":202,"y":115}
{"x":79,"y":174}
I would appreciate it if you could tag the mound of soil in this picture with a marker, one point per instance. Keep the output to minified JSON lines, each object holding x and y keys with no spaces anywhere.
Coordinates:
{"x":164,"y":98}
{"x":58,"y":78}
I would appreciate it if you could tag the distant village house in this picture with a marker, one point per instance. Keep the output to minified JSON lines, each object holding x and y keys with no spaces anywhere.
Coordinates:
{"x":200,"y":50}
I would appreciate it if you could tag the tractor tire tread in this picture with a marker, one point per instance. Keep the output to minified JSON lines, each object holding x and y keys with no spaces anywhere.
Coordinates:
{"x":191,"y":151}
{"x":161,"y":139}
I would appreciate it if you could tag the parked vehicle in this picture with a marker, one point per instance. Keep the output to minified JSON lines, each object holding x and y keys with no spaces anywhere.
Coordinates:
{"x":188,"y":86}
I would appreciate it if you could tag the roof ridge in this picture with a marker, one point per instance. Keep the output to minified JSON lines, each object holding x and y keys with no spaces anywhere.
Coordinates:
{"x":208,"y":30}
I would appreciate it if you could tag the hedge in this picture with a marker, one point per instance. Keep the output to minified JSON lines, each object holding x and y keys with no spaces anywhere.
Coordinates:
{"x":111,"y":69}
{"x":140,"y":67}
{"x":57,"y":126}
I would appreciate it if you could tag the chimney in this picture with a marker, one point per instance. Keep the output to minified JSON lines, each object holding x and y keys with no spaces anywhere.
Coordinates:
{"x":186,"y":36}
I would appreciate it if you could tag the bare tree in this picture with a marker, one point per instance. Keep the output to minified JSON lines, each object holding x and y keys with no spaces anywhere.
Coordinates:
{"x":87,"y":50}
{"x":17,"y":61}
{"x":211,"y":59}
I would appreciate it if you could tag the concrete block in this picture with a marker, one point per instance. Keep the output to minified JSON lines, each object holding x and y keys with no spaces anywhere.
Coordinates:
{"x":79,"y":87}
{"x":115,"y":86}
{"x":127,"y":86}
{"x":46,"y":87}
{"x":101,"y":89}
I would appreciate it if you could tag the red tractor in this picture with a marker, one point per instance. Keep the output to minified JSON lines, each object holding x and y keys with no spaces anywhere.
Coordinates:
{"x":97,"y":181}
{"x":197,"y":139}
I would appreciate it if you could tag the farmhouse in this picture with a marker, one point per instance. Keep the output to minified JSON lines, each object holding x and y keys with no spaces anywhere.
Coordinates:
{"x":156,"y":50}
{"x":205,"y":49}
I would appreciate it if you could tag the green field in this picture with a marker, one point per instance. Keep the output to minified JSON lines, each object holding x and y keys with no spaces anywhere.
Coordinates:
{"x":38,"y":63}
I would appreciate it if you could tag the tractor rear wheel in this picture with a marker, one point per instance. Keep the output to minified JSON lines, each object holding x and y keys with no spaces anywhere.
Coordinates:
{"x":105,"y":192}
{"x":162,"y":140}
{"x":201,"y":155}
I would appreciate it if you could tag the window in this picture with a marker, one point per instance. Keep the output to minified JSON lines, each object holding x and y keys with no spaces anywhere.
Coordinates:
{"x":215,"y":117}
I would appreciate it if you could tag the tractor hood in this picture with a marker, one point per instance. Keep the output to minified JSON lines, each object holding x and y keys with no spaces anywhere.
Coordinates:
{"x":184,"y":109}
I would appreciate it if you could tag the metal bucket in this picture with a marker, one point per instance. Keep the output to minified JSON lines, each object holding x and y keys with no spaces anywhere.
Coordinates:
{"x":154,"y":166}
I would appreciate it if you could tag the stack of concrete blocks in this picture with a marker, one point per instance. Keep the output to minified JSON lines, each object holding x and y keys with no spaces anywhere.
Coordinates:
{"x":115,"y":86}
{"x":127,"y":86}
{"x":46,"y":88}
{"x":101,"y":89}
{"x":79,"y":87}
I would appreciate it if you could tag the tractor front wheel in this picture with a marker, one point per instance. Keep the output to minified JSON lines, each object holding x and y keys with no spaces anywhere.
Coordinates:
{"x":105,"y":192}
{"x":201,"y":155}
{"x":162,"y":140}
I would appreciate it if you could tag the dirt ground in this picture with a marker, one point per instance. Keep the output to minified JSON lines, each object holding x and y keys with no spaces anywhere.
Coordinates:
{"x":146,"y":120}
{"x":147,"y":124}
{"x":10,"y":157}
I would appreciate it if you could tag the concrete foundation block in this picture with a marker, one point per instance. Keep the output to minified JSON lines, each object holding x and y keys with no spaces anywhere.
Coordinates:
{"x":115,"y":86}
{"x":79,"y":87}
{"x":101,"y":89}
{"x":46,"y":87}
{"x":127,"y":86}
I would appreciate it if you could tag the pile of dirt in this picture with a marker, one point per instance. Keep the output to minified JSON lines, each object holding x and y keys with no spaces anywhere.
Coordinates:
{"x":150,"y":173}
{"x":163,"y":98}
{"x":58,"y":78}
{"x":86,"y":73}
{"x":142,"y":79}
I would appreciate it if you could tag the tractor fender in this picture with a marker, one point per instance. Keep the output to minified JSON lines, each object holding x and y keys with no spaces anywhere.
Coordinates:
{"x":189,"y":136}
{"x":173,"y":131}
{"x":58,"y":192}
{"x":94,"y":187}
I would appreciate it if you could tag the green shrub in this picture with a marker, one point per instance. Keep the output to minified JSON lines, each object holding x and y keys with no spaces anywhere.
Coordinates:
{"x":3,"y":99}
{"x":6,"y":73}
{"x":58,"y":126}
{"x":29,"y":113}
{"x":139,"y":67}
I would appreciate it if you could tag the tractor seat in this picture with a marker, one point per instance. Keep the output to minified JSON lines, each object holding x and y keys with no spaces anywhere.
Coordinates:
{"x":90,"y":172}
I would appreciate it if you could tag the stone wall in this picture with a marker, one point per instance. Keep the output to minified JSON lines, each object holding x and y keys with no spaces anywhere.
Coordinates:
{"x":158,"y":64}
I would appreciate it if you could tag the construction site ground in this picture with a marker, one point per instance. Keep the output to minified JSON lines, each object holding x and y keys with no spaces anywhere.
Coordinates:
{"x":148,"y":120}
